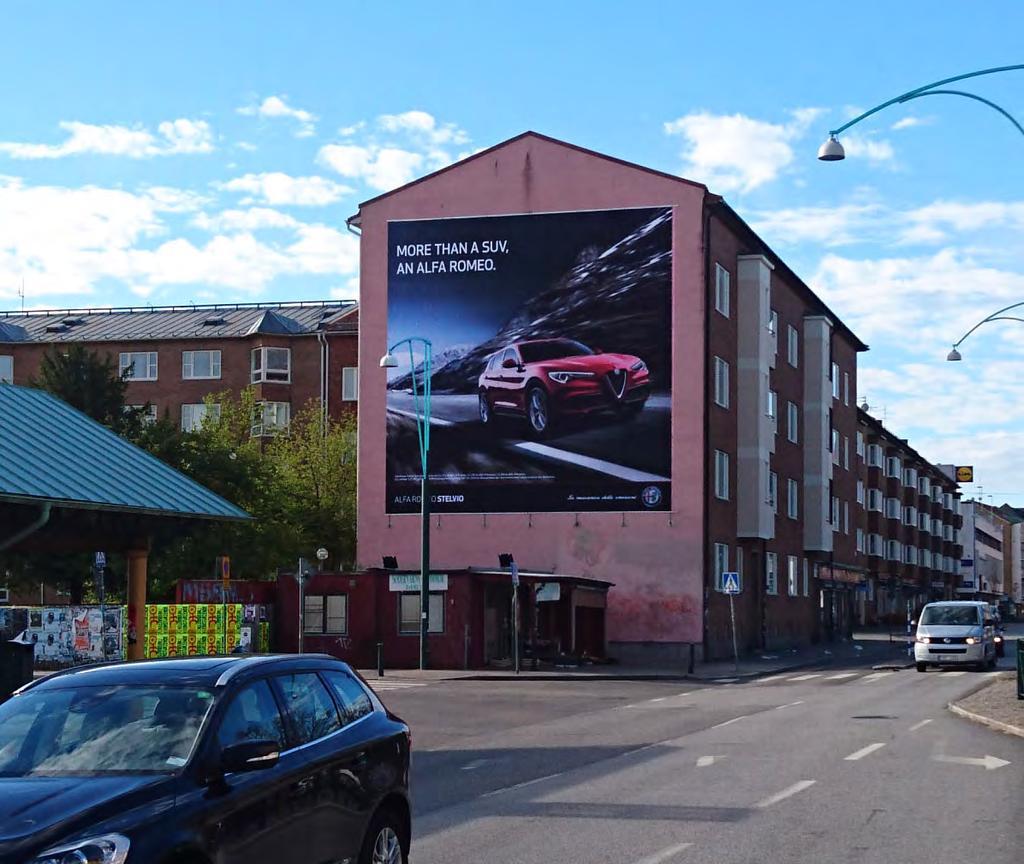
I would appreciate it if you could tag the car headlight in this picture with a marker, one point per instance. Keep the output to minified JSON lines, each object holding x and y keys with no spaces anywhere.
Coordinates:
{"x":999,"y":638}
{"x":924,"y":640}
{"x":566,"y":377}
{"x":108,"y":849}
{"x":970,"y":640}
{"x":639,"y":366}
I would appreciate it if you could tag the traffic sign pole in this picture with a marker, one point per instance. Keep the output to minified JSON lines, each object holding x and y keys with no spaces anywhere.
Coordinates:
{"x":731,"y":586}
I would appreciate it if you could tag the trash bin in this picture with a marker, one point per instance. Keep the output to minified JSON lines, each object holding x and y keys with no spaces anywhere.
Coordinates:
{"x":16,"y":660}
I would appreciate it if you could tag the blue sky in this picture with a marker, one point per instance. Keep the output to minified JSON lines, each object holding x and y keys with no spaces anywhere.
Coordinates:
{"x":204,"y":152}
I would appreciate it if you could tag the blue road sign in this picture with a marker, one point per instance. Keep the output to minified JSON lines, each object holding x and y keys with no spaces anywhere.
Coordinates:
{"x":731,"y":583}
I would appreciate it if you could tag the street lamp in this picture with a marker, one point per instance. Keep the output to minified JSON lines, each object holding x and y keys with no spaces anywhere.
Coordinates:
{"x":955,"y":356}
{"x":832,"y":150}
{"x":389,"y":361}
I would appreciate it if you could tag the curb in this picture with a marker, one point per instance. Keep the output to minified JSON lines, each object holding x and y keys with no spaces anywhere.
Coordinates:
{"x":998,"y":725}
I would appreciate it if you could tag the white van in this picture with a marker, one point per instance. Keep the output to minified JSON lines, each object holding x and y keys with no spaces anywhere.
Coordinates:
{"x":955,"y":633}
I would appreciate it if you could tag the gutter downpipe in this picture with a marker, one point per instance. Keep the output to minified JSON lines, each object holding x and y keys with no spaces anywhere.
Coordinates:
{"x":706,"y":516}
{"x":323,"y":385}
{"x":37,"y":523}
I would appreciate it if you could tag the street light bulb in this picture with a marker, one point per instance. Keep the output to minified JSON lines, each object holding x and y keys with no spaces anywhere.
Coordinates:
{"x":953,"y":356}
{"x":831,"y":150}
{"x":388,"y":361}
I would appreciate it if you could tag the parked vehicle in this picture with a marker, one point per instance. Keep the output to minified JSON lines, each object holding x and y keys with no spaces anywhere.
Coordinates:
{"x":239,"y":760}
{"x":955,"y":633}
{"x":544,"y":380}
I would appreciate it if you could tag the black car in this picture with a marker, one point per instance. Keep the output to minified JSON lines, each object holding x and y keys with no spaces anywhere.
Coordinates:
{"x":215,"y":760}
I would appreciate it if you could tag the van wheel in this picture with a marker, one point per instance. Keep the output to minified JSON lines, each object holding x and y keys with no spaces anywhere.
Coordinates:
{"x":922,"y":667}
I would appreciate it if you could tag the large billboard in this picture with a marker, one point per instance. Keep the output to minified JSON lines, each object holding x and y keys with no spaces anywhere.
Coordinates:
{"x":551,"y":372}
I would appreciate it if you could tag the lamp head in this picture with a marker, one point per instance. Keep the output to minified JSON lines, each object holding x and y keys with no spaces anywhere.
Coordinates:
{"x":505,"y":559}
{"x":831,"y":150}
{"x":389,"y":361}
{"x":953,"y":356}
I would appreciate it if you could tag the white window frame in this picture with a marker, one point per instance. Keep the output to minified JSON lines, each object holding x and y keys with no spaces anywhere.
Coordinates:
{"x":893,"y":550}
{"x":875,"y":546}
{"x":721,"y":382}
{"x":924,"y":486}
{"x":792,"y":346}
{"x":188,"y":364}
{"x":846,"y":453}
{"x":893,"y":467}
{"x":773,"y":405}
{"x":792,"y":498}
{"x":773,"y":491}
{"x":262,"y":427}
{"x":435,"y":623}
{"x":846,"y":518}
{"x":834,"y":378}
{"x":936,"y":527}
{"x":721,"y":475}
{"x":910,"y":516}
{"x":148,"y":416}
{"x":6,"y":368}
{"x":194,"y":413}
{"x":261,"y":371}
{"x":126,"y":361}
{"x":793,"y":575}
{"x":771,"y":573}
{"x":876,"y":501}
{"x":722,"y":280}
{"x":910,"y":477}
{"x":875,"y":459}
{"x":350,"y":384}
{"x":793,"y":422}
{"x":846,"y":388}
{"x":924,"y":522}
{"x":936,"y":493}
{"x":893,"y":508}
{"x":860,"y":444}
{"x":860,"y":492}
{"x":860,"y":541}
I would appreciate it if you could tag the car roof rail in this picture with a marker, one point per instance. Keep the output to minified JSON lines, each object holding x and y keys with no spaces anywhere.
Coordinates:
{"x":256,"y":660}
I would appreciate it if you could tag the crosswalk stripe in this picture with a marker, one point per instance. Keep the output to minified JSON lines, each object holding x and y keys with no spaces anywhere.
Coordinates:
{"x":955,"y":674}
{"x":806,"y":677}
{"x":876,"y":676}
{"x":842,"y":675}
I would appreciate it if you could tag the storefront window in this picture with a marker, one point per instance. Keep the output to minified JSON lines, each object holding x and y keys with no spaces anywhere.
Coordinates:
{"x":409,"y":613}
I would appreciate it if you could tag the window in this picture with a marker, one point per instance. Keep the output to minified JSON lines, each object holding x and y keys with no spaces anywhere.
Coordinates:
{"x":721,"y":563}
{"x":846,"y":388}
{"x":924,"y":485}
{"x":722,"y":290}
{"x":926,"y":558}
{"x":893,"y":550}
{"x":792,"y":575}
{"x":721,"y":475}
{"x":252,"y":716}
{"x":773,"y":490}
{"x":936,"y":492}
{"x":792,"y":346}
{"x":721,"y":382}
{"x":835,"y":380}
{"x":349,"y":384}
{"x":6,"y":369}
{"x":833,"y":515}
{"x":834,"y":446}
{"x":910,"y":516}
{"x":874,"y":456}
{"x":924,"y":522}
{"x":910,"y":555}
{"x":860,"y":540}
{"x":326,"y":613}
{"x":846,"y":453}
{"x":351,"y":696}
{"x":773,"y":404}
{"x":947,"y":500}
{"x":271,"y":418}
{"x":771,"y":573}
{"x":138,"y":365}
{"x":910,"y":477}
{"x":807,"y":578}
{"x":773,"y":322}
{"x":892,"y":467}
{"x":875,"y":499}
{"x":860,"y":444}
{"x":892,"y":508}
{"x":936,"y":527}
{"x":147,"y":412}
{"x":409,"y":613}
{"x":200,"y":364}
{"x":846,"y":517}
{"x":947,"y":535}
{"x":860,"y":492}
{"x":792,"y":498}
{"x":792,"y":422}
{"x":875,"y":545}
{"x":193,"y":415}
{"x":271,"y":364}
{"x":308,"y":705}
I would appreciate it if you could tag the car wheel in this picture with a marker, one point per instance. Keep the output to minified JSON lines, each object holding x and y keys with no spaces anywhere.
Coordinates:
{"x":485,"y":410}
{"x":383,"y":843}
{"x":538,"y":411}
{"x":922,"y":667}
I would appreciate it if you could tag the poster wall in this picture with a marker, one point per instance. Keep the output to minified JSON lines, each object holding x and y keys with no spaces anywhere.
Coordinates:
{"x":186,"y":630}
{"x":551,"y":373}
{"x":66,"y":635}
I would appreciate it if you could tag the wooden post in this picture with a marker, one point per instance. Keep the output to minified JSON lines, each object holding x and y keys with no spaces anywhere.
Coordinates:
{"x":137,"y":561}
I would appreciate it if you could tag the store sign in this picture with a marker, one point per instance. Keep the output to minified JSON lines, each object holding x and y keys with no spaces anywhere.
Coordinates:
{"x":550,"y":375}
{"x":412,"y":581}
{"x":964,"y":473}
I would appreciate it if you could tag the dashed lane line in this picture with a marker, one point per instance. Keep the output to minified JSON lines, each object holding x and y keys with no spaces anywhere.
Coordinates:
{"x":789,"y":705}
{"x":730,"y":722}
{"x":806,"y":677}
{"x":842,"y":675}
{"x":875,"y":676}
{"x":788,"y":792}
{"x":920,"y":725}
{"x":665,"y":854}
{"x":864,"y":751}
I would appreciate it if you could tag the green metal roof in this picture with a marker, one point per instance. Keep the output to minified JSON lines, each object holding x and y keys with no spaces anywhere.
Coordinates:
{"x":49,"y":451}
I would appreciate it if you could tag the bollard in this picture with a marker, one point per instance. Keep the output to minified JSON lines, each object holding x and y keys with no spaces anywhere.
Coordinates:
{"x":380,"y":659}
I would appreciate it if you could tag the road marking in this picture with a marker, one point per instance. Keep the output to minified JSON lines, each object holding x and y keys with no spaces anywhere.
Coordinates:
{"x":664,"y":854}
{"x":864,"y":751}
{"x":785,"y":793}
{"x":725,"y":680}
{"x":728,"y":722}
{"x":434,"y":421}
{"x":522,"y":785}
{"x":476,"y":763}
{"x":989,"y":763}
{"x":917,"y":726}
{"x":956,"y":674}
{"x":842,"y":675}
{"x":706,"y":761}
{"x":875,"y":676}
{"x":630,"y":706}
{"x":806,"y":677}
{"x":599,"y":465}
{"x":659,"y":699}
{"x":789,"y":705}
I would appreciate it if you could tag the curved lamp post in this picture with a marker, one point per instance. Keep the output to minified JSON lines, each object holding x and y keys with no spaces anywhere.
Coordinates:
{"x":998,"y":315}
{"x":832,"y":150}
{"x":421,"y":396}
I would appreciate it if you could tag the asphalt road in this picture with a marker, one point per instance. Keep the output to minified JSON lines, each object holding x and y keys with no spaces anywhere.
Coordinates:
{"x":600,"y":438}
{"x":838,"y":764}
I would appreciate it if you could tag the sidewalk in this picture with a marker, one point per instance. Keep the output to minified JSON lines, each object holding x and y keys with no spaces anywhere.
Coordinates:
{"x":869,"y":647}
{"x":994,"y":704}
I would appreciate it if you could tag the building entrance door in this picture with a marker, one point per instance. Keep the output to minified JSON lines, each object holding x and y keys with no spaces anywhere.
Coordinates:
{"x":497,"y":624}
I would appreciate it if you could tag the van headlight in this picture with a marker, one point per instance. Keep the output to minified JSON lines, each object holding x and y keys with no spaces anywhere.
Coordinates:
{"x":970,"y":640}
{"x":108,"y":849}
{"x":924,"y":640}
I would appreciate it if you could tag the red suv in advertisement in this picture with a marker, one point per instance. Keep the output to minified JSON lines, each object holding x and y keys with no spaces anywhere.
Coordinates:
{"x":543,"y":380}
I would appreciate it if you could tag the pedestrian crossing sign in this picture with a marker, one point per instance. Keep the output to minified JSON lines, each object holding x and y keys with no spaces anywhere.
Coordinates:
{"x":731,"y":583}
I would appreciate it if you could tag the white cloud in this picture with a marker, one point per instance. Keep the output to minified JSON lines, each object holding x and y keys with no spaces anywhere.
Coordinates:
{"x":735,"y":152}
{"x":873,"y":149}
{"x":830,"y":226}
{"x":910,"y":122}
{"x":382,"y":168}
{"x":248,"y":146}
{"x":276,"y":106}
{"x":173,"y":137}
{"x":253,"y":219}
{"x":424,"y":125}
{"x":279,"y":189}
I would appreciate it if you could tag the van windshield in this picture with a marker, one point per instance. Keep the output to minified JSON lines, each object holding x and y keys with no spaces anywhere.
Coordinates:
{"x":964,"y":616}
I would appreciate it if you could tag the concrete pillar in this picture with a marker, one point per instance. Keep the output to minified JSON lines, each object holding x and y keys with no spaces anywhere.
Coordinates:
{"x":137,"y":561}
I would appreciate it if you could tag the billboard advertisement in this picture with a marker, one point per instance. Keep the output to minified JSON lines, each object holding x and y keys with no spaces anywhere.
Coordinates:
{"x":551,"y":361}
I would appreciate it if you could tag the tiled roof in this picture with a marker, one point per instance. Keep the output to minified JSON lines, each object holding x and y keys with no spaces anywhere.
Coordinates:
{"x":50,"y":452}
{"x":169,"y":322}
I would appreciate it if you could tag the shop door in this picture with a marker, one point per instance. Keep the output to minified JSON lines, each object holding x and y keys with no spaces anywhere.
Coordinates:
{"x":589,"y":631}
{"x":497,"y":624}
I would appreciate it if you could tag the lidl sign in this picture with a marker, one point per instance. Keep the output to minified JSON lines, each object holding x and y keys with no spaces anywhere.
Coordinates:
{"x":964,"y":473}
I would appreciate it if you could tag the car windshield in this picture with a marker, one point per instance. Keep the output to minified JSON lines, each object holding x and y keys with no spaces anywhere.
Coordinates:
{"x":552,"y":349}
{"x":964,"y":616}
{"x":100,"y":730}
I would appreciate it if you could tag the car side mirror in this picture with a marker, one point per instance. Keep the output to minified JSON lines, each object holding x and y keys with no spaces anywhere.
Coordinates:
{"x":250,"y":756}
{"x":509,"y":363}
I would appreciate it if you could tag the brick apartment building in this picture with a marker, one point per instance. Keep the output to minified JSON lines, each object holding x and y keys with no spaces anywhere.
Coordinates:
{"x":908,"y":534}
{"x":177,"y":355}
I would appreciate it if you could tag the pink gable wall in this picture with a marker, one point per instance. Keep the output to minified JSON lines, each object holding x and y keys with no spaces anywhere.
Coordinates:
{"x":654,"y":559}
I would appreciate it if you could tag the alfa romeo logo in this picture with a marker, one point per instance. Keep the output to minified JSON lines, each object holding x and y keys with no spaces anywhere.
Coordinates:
{"x":651,"y":496}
